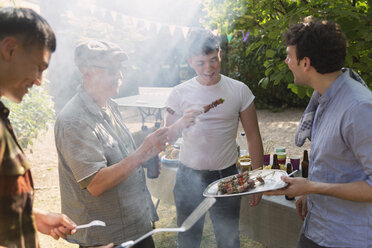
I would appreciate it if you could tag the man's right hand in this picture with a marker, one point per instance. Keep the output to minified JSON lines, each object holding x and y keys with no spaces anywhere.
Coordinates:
{"x":189,"y":117}
{"x":154,"y":143}
{"x":187,"y":120}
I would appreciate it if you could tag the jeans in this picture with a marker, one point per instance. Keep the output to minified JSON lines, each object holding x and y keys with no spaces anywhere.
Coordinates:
{"x":304,"y":242}
{"x":188,"y":194}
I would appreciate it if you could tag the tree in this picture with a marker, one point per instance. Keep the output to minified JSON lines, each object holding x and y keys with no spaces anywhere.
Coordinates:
{"x":32,"y":115}
{"x":267,"y":19}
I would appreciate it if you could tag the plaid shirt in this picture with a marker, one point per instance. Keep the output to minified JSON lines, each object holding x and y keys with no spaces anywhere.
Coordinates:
{"x":17,"y":228}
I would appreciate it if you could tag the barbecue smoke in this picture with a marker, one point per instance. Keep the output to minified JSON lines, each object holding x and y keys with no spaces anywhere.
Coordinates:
{"x":151,"y":32}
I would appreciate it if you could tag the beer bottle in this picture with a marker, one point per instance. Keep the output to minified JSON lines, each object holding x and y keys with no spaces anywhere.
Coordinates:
{"x":289,"y":170}
{"x":305,"y":164}
{"x":275,"y":162}
{"x":152,"y":166}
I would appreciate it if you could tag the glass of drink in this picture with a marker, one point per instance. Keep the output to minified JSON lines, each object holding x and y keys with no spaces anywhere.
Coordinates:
{"x":295,"y":161}
{"x":266,"y":159}
{"x":282,"y":157}
{"x":244,"y":165}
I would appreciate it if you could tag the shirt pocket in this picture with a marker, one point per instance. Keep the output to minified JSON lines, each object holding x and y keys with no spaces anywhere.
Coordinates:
{"x":112,"y":152}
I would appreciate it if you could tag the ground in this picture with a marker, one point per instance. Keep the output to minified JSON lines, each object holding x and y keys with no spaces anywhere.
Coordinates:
{"x":276,"y":128}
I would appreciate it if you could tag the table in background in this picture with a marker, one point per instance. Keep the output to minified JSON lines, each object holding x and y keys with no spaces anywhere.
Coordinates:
{"x":150,"y":101}
{"x":274,"y":222}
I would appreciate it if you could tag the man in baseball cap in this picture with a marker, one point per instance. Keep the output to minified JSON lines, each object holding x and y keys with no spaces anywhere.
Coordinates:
{"x":100,"y":170}
{"x":94,"y":52}
{"x":101,"y":64}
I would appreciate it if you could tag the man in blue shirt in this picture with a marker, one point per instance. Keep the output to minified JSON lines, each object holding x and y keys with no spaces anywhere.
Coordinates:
{"x":335,"y":200}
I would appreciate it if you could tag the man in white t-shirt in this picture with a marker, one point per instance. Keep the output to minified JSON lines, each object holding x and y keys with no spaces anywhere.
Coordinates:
{"x":209,"y":149}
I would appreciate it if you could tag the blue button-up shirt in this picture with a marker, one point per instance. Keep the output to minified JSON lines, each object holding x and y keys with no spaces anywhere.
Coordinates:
{"x":341,"y":152}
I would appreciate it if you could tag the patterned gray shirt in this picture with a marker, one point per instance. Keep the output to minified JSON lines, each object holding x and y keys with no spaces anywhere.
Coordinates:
{"x":88,"y":139}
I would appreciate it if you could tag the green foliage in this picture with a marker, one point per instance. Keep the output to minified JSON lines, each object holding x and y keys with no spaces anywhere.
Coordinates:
{"x":239,"y":63}
{"x":260,"y":61}
{"x":32,"y":115}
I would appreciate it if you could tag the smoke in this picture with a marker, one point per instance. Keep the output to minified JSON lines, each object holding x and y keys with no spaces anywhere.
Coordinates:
{"x":151,"y":32}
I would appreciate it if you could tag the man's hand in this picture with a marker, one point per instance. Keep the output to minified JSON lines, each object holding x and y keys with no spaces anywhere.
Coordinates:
{"x":153,"y":144}
{"x":301,"y":206}
{"x":255,"y":199}
{"x":53,"y":224}
{"x":359,"y":191}
{"x":296,"y":186}
{"x":177,"y":125}
{"x":189,"y":117}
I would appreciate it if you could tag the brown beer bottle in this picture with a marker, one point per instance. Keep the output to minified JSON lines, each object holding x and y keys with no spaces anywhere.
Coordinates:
{"x":275,"y":163}
{"x":152,"y":166}
{"x":305,"y":164}
{"x":289,"y":171}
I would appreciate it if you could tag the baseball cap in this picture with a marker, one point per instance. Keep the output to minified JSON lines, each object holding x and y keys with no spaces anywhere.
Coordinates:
{"x":98,"y":52}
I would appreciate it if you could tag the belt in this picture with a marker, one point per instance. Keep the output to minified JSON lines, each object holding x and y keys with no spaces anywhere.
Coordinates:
{"x":222,"y":173}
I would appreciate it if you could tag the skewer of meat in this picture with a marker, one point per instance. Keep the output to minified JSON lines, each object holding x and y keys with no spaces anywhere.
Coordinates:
{"x":213,"y":105}
{"x":239,"y":183}
{"x":206,"y":108}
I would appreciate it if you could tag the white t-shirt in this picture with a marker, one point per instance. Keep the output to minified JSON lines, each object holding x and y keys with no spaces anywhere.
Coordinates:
{"x":210,"y":143}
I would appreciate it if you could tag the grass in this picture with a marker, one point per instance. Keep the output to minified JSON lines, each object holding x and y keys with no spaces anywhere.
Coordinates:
{"x":167,"y":216}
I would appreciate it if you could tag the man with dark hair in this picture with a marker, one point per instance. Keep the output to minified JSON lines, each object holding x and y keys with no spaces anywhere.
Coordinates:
{"x":26,"y":45}
{"x":202,"y":42}
{"x":100,"y":170}
{"x":335,"y":200}
{"x":209,"y":149}
{"x":30,"y":27}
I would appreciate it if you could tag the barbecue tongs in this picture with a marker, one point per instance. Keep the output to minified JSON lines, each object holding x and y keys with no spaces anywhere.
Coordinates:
{"x":186,"y":225}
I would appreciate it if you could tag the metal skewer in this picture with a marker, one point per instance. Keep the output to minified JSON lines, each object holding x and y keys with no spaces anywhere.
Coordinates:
{"x":292,"y":173}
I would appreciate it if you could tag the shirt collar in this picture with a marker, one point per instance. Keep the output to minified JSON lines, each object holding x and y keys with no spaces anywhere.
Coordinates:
{"x":90,"y":104}
{"x":333,"y":89}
